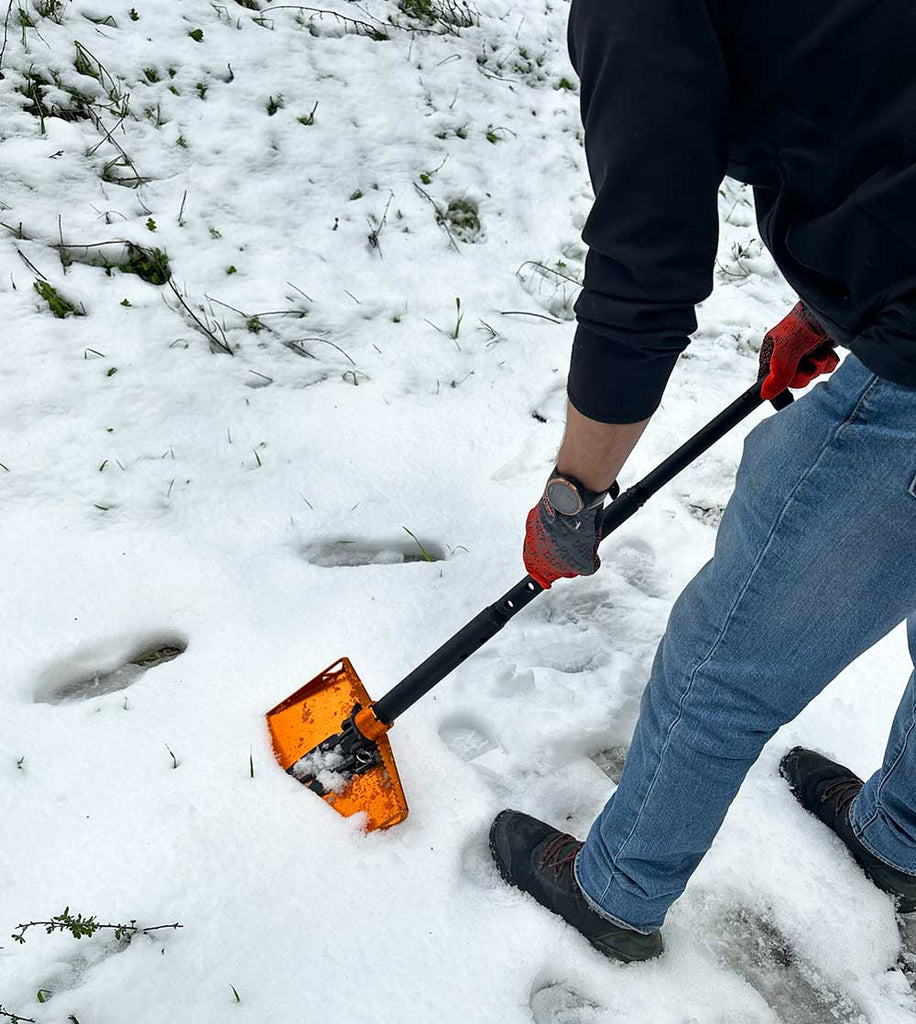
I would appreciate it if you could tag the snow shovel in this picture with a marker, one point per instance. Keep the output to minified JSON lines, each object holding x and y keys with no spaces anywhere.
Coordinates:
{"x":330,"y":736}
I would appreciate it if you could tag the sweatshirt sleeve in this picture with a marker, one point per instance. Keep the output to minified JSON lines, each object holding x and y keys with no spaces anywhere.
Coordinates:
{"x":654,"y":100}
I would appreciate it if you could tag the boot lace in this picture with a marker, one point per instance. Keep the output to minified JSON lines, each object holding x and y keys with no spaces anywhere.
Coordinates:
{"x":843,"y":791}
{"x":559,"y":855}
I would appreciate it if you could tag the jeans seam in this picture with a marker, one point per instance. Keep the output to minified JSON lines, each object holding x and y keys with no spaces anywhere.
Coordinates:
{"x":898,"y":757}
{"x":878,"y":856}
{"x":831,"y":439}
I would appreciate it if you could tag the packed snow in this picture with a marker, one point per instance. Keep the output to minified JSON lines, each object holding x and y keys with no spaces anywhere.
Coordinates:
{"x":321,"y":438}
{"x":323,"y":767}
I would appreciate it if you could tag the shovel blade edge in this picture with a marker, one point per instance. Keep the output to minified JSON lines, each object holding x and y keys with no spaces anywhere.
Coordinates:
{"x":315,"y":712}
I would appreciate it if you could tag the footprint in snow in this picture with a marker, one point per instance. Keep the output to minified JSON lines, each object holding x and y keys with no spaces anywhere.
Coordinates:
{"x":465,"y":737}
{"x":558,"y":1003}
{"x":634,"y":559}
{"x":750,"y":944}
{"x":611,"y":761}
{"x":569,"y":657}
{"x":513,"y":682}
{"x":906,"y":962}
{"x":70,"y":972}
{"x":345,"y":552}
{"x":477,"y":864}
{"x":707,"y":512}
{"x":470,"y":741}
{"x":102,"y":670}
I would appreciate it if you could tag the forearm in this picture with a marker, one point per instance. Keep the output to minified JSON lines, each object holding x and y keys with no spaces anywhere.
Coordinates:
{"x":593,"y":452}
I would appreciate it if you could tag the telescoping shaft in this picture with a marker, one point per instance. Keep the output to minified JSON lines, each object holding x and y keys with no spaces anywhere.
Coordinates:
{"x":490,"y":621}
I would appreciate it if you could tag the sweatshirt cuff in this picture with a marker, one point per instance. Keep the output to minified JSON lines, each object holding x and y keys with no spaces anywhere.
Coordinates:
{"x":613,"y":382}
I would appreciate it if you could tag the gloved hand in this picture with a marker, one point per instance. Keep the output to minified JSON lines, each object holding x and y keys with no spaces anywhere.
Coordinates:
{"x":561,"y":546}
{"x":794,"y":352}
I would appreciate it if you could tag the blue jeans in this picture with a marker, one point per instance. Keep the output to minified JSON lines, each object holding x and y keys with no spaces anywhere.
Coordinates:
{"x":815,"y":561}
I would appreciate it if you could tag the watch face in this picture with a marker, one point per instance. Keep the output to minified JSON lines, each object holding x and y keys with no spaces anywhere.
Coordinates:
{"x":564,"y":497}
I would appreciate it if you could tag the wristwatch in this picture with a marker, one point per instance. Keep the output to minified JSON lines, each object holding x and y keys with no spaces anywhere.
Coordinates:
{"x":569,"y":497}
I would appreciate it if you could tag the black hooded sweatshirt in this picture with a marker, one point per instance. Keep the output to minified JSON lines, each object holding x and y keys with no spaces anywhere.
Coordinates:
{"x":813,"y":102}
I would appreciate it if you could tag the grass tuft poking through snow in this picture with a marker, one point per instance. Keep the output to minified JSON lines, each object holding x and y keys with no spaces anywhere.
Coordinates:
{"x":58,"y":305}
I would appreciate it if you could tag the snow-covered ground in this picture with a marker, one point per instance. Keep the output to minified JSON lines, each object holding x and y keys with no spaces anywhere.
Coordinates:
{"x":325,"y":190}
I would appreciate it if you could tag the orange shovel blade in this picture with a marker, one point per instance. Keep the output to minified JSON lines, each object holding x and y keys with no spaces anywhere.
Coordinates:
{"x":316,"y":712}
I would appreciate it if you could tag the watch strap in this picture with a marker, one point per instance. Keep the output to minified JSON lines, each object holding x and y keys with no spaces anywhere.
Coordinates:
{"x":590,"y":499}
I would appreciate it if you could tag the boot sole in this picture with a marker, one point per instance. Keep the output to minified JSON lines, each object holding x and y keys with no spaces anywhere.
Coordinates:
{"x":497,"y":856}
{"x":787,"y":762}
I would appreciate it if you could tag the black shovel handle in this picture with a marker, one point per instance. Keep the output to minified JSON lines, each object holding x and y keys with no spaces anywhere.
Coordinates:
{"x":490,"y":621}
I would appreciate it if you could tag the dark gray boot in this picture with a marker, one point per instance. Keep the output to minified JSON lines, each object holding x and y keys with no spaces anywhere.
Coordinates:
{"x":827,"y":790}
{"x":538,"y":859}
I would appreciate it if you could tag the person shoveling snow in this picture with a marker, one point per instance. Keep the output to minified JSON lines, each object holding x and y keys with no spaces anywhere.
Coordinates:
{"x":815,"y":556}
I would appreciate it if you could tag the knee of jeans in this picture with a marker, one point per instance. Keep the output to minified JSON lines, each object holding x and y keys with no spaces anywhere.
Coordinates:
{"x":708,"y":715}
{"x":727,"y":733}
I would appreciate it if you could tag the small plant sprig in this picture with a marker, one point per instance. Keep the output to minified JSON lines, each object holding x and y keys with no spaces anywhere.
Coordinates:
{"x":149,"y":264}
{"x":309,"y":118}
{"x":59,"y":306}
{"x":427,"y":557}
{"x":441,"y":218}
{"x":50,"y":9}
{"x":213,"y":331}
{"x":463,"y":219}
{"x":460,"y":317}
{"x":446,"y":15}
{"x":376,"y":228}
{"x":14,"y":1017}
{"x":79,"y":927}
{"x":376,"y":32}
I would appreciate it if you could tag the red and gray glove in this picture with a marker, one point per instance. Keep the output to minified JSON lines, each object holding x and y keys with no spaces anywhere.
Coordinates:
{"x":794,"y":352}
{"x":561,"y":540}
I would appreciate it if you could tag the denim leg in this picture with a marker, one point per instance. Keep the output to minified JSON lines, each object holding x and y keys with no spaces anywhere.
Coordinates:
{"x":883,"y":815}
{"x":812,"y":566}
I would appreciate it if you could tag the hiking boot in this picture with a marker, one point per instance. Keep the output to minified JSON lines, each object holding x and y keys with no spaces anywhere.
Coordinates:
{"x":827,"y":790}
{"x":538,"y":859}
